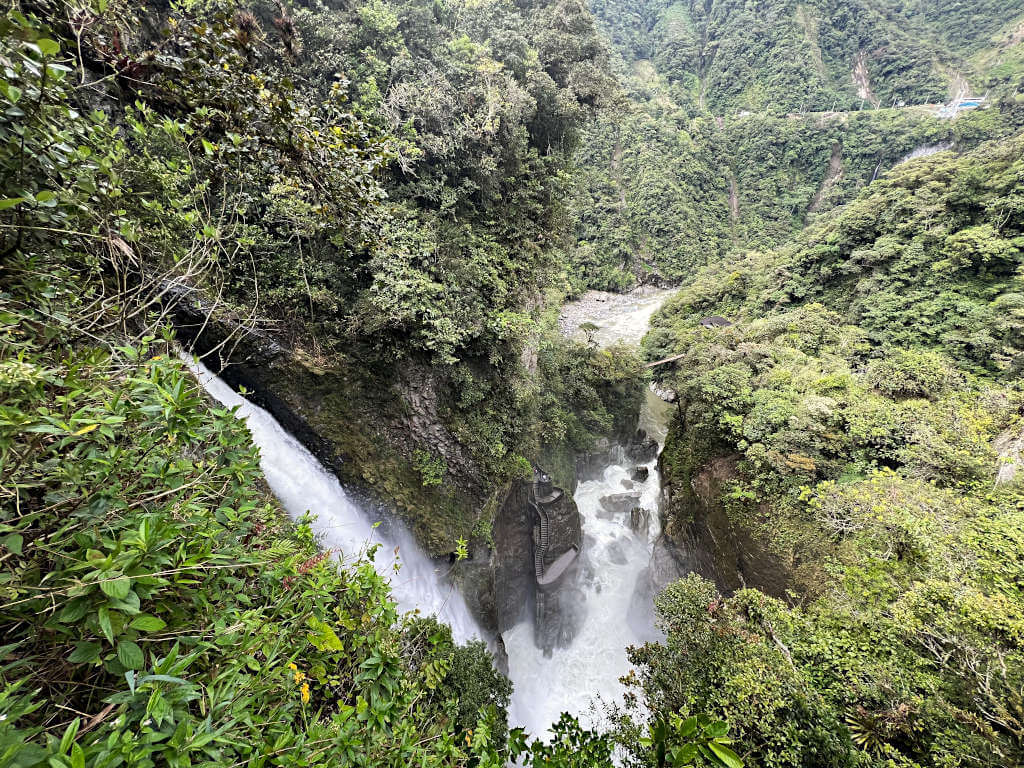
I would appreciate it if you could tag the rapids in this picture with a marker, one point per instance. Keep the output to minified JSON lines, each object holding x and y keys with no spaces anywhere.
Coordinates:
{"x":580,"y":678}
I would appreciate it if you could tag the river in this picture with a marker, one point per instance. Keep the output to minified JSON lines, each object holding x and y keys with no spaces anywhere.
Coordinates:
{"x":575,"y":679}
{"x":583,"y":677}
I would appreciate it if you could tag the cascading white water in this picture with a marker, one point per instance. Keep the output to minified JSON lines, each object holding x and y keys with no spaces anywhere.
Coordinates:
{"x":613,"y":558}
{"x":579,"y":678}
{"x":302,"y":484}
{"x":573,"y":678}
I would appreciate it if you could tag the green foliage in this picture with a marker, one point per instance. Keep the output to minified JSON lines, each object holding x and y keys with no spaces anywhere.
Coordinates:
{"x":911,"y":373}
{"x":858,"y":403}
{"x":377,"y":184}
{"x":664,"y":188}
{"x":928,"y":255}
{"x":691,"y":741}
{"x":588,"y":393}
{"x":430,"y":467}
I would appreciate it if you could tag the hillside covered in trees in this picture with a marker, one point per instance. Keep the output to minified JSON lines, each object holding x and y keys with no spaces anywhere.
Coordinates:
{"x":376,"y":188}
{"x":739,"y":123}
{"x":851,"y":444}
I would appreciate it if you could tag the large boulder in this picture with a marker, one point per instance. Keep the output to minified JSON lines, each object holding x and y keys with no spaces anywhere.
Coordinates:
{"x":640,"y":521}
{"x":617,"y":505}
{"x":642,"y":448}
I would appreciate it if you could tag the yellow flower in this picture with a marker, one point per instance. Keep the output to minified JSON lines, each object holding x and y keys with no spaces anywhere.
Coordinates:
{"x":299,"y":677}
{"x":292,"y":666}
{"x":304,"y":693}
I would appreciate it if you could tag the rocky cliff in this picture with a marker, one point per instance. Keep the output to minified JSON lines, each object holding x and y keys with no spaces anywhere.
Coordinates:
{"x":699,"y":533}
{"x":353,"y":425}
{"x":367,"y":426}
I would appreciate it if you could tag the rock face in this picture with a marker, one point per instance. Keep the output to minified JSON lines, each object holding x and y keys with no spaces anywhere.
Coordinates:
{"x":364,"y":426}
{"x":617,"y":505}
{"x":1010,"y":447}
{"x":698,"y":530}
{"x":664,"y":393}
{"x":640,"y":521}
{"x":536,"y":567}
{"x":640,"y":474}
{"x":590,"y":466}
{"x":359,"y":428}
{"x":642,"y":448}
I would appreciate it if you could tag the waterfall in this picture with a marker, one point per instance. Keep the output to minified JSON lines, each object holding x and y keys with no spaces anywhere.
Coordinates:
{"x":617,"y":609}
{"x":572,"y":678}
{"x":926,"y":150}
{"x":302,"y":484}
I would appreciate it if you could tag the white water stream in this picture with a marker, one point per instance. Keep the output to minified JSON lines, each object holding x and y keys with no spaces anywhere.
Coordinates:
{"x":302,"y":484}
{"x":614,"y":558}
{"x":582,"y":677}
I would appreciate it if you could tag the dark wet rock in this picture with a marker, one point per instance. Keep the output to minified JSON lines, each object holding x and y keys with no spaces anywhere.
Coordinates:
{"x":592,"y":464}
{"x":640,"y":521}
{"x":668,"y":564}
{"x":617,"y":505}
{"x":664,"y":393}
{"x":536,"y":530}
{"x":641,"y":447}
{"x":559,"y":615}
{"x":640,"y":474}
{"x":697,"y":522}
{"x":714,"y":321}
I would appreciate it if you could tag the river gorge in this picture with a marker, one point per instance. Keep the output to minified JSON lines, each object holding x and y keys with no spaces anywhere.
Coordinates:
{"x":607,"y":590}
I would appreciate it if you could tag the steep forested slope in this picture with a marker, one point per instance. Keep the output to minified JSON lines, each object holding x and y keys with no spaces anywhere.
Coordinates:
{"x":850,"y":445}
{"x":376,"y":189}
{"x":156,"y":607}
{"x":784,"y":55}
{"x":739,"y":123}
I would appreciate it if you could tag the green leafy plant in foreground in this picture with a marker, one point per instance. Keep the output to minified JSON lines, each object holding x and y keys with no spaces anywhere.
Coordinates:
{"x":683,"y":742}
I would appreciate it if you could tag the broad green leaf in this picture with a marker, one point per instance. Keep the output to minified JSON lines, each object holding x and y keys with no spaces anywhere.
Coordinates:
{"x":684,"y":755}
{"x":163,"y":679}
{"x":117,"y":588}
{"x":688,"y":728}
{"x":48,"y":47}
{"x":10,"y":202}
{"x":147,"y":623}
{"x":85,"y":652}
{"x":69,"y":735}
{"x":13,"y":543}
{"x":130,"y":655}
{"x":727,"y":757}
{"x":105,"y":625}
{"x":323,"y":637}
{"x":718,"y":730}
{"x":73,"y":611}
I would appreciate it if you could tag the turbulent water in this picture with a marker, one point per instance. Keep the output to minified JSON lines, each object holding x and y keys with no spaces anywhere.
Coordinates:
{"x":302,"y":484}
{"x":613,"y":559}
{"x":578,"y":679}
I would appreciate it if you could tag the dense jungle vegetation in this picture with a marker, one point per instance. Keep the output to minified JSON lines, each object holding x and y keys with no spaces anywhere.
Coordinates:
{"x":399,"y":184}
{"x":379,"y":184}
{"x":860,"y":420}
{"x":739,"y":123}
